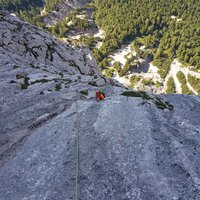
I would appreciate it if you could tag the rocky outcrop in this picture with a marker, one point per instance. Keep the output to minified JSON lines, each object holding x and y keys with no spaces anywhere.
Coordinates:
{"x":37,"y":48}
{"x":63,"y":9}
{"x":39,"y":75}
{"x":132,"y":145}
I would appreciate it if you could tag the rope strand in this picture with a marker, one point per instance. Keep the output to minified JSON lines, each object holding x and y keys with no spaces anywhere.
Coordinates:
{"x":77,"y":150}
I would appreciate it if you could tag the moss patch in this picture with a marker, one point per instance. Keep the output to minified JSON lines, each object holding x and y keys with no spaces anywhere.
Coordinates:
{"x":58,"y":87}
{"x":141,"y":94}
{"x":84,"y":92}
{"x":160,"y":104}
{"x":163,"y":104}
{"x":25,"y":84}
{"x":16,"y":67}
{"x":41,"y":81}
{"x":93,"y":83}
{"x":12,"y":81}
{"x":18,"y":76}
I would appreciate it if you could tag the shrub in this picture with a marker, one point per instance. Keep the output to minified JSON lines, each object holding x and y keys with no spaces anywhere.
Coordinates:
{"x":194,"y":82}
{"x":109,"y":72}
{"x":134,"y":79}
{"x":117,"y":66}
{"x":164,"y":65}
{"x":181,"y":77}
{"x":170,"y":86}
{"x":147,"y":82}
{"x":158,"y":84}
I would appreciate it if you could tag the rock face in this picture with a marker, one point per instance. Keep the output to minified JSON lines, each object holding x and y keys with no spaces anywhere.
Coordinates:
{"x":37,"y":74}
{"x":137,"y":147}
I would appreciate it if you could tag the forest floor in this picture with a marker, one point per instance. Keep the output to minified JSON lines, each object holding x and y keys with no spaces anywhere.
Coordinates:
{"x":120,"y":55}
{"x":151,"y":72}
{"x":146,"y":71}
{"x":99,"y":34}
{"x":149,"y":78}
{"x":176,"y":66}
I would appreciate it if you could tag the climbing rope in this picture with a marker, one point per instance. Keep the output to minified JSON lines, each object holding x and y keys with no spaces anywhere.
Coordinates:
{"x":78,"y":145}
{"x":77,"y":148}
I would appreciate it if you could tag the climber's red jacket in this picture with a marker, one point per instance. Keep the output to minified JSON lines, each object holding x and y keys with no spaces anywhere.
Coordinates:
{"x":99,"y":96}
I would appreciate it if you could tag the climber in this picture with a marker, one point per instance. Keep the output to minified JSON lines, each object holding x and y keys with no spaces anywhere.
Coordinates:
{"x":100,"y":95}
